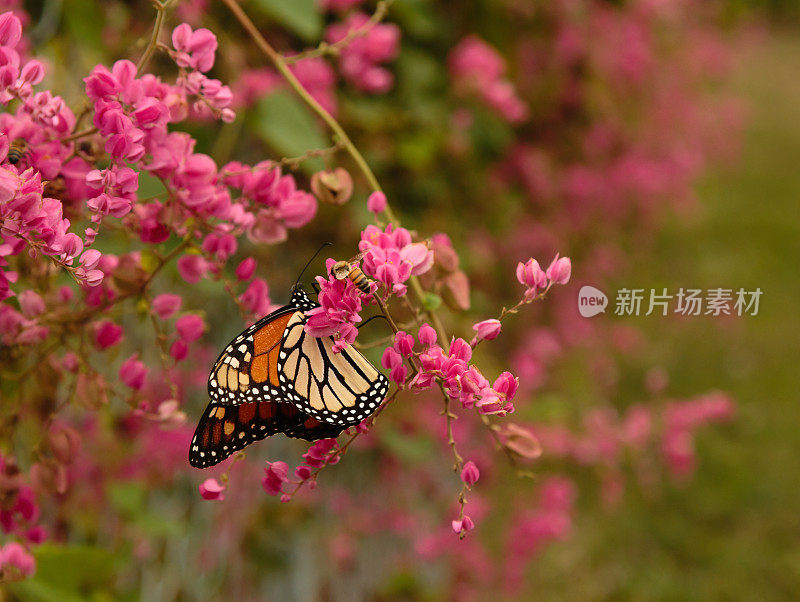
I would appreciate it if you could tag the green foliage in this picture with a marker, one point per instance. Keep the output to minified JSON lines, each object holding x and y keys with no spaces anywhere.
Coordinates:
{"x":299,"y":16}
{"x":69,"y":574}
{"x":286,"y":125}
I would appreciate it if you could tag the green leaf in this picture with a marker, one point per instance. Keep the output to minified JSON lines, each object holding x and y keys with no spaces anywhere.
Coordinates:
{"x":431,"y":301}
{"x":64,"y":574}
{"x":300,"y":16}
{"x":284,"y":123}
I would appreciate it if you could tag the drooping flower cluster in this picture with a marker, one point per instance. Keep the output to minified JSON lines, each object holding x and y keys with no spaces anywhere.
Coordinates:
{"x":360,"y":59}
{"x":276,"y":474}
{"x":16,"y":80}
{"x":478,"y":69}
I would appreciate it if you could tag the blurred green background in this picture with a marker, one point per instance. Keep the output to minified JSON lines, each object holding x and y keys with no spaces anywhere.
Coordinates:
{"x":734,"y":532}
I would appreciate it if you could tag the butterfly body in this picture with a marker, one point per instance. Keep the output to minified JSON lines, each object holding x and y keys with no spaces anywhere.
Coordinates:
{"x":275,"y":378}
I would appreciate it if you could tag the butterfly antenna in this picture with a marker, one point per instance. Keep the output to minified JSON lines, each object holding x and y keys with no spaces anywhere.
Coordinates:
{"x":325,"y":244}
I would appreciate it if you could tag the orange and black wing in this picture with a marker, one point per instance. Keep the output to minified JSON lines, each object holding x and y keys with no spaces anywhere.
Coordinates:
{"x":226,"y":429}
{"x":274,"y":378}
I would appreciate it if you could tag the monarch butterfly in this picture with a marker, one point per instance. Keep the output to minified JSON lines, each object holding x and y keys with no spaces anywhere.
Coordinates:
{"x":274,"y":378}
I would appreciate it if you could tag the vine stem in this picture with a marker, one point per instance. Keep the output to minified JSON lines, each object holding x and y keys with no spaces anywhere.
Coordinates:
{"x":340,"y":135}
{"x":161,"y":8}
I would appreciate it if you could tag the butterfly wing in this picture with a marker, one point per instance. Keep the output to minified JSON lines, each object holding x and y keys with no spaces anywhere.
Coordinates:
{"x":274,"y":378}
{"x":335,"y":388}
{"x":226,"y":429}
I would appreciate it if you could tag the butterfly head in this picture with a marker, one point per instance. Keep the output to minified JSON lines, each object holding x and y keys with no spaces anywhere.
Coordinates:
{"x":300,"y":298}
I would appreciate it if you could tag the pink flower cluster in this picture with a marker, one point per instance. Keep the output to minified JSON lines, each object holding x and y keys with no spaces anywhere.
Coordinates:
{"x":340,"y":301}
{"x":276,"y":474}
{"x":391,"y":258}
{"x":360,"y":59}
{"x":272,"y":198}
{"x":681,"y":419}
{"x":15,"y":82}
{"x":19,"y":514}
{"x":537,"y":281}
{"x":463,"y":382}
{"x":477,"y":68}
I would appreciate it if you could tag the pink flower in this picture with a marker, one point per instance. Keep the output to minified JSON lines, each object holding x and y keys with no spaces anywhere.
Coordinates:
{"x":166,"y":304}
{"x":376,"y":203}
{"x":107,"y":334}
{"x":531,"y":275}
{"x":13,"y":555}
{"x":359,"y":61}
{"x":190,"y":327}
{"x":211,"y":489}
{"x":487,"y":330}
{"x":462,"y":526}
{"x":404,"y":343}
{"x":391,"y":257}
{"x":246,"y":269}
{"x":426,"y":335}
{"x":195,"y":49}
{"x":393,"y":361}
{"x":133,"y":372}
{"x":192,"y":268}
{"x":31,"y":303}
{"x":559,"y":270}
{"x":470,"y":473}
{"x":322,"y":452}
{"x":275,"y":476}
{"x":340,"y":302}
{"x":179,"y":350}
{"x":10,"y":30}
{"x":256,"y":297}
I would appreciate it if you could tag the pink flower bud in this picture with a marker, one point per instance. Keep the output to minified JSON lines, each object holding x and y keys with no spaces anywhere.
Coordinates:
{"x":94,"y":277}
{"x":211,"y":489}
{"x":391,"y":358}
{"x":192,"y":268}
{"x":560,"y":270}
{"x":107,"y":334}
{"x":470,"y":473}
{"x":190,"y":327}
{"x":10,"y":29}
{"x":531,"y":274}
{"x":426,"y":335}
{"x":133,"y":372}
{"x":506,"y":385}
{"x":166,"y":305}
{"x":90,"y":258}
{"x":31,"y":303}
{"x":488,"y":329}
{"x":15,"y":555}
{"x":71,"y":245}
{"x":275,"y":476}
{"x":462,"y":526}
{"x":179,"y":350}
{"x":376,"y":202}
{"x":302,"y":472}
{"x":181,"y":37}
{"x":461,"y":350}
{"x":246,"y":269}
{"x":404,"y":343}
{"x":32,"y":72}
